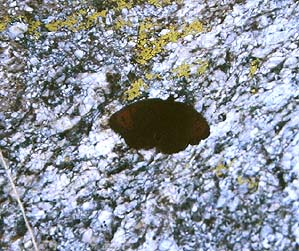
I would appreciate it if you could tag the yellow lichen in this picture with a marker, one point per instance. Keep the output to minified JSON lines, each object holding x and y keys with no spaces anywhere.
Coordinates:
{"x":120,"y":23}
{"x":156,"y":3}
{"x":254,"y":90}
{"x":77,"y":21}
{"x":151,"y":76}
{"x":252,"y":183}
{"x":2,"y":26}
{"x":160,"y":3}
{"x":103,"y":13}
{"x":150,"y":44}
{"x":121,"y":4}
{"x":53,"y":26}
{"x":82,"y":12}
{"x":91,"y":19}
{"x":71,"y":22}
{"x":135,"y":89}
{"x":94,"y":16}
{"x":220,"y":169}
{"x":33,"y":25}
{"x":171,"y":36}
{"x":148,"y":48}
{"x":193,"y":28}
{"x":182,"y":71}
{"x":33,"y":28}
{"x":203,"y":66}
{"x":168,"y":2}
{"x":4,"y":21}
{"x":254,"y":65}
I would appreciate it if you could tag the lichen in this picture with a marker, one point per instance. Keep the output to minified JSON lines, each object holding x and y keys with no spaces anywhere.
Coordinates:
{"x":151,"y":76}
{"x":4,"y":23}
{"x":120,"y":23}
{"x":150,"y":44}
{"x":202,"y":66}
{"x":182,"y":71}
{"x":33,"y":28}
{"x":221,"y":169}
{"x":254,"y":65}
{"x":252,"y":183}
{"x":193,"y":28}
{"x":135,"y":89}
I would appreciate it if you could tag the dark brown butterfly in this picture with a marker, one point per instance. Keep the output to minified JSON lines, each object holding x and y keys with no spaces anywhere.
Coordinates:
{"x":167,"y":125}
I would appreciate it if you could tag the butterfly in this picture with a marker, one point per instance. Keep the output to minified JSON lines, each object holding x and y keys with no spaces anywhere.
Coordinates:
{"x":167,"y":125}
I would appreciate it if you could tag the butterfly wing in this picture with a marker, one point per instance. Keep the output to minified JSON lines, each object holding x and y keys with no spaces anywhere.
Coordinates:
{"x":134,"y":124}
{"x":199,"y":129}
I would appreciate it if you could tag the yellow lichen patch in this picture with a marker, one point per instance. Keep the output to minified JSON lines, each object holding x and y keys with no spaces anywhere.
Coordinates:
{"x":77,"y":21}
{"x":160,"y":3}
{"x":102,"y":13}
{"x":254,"y":65}
{"x":2,"y":26}
{"x":71,"y":22}
{"x":168,"y":2}
{"x":135,"y":89}
{"x":156,"y":3}
{"x":82,"y":12}
{"x":145,"y":55}
{"x":4,"y":21}
{"x":254,"y":90}
{"x":220,"y":169}
{"x":145,"y":29}
{"x":54,"y":25}
{"x":91,"y":19}
{"x":95,"y":15}
{"x":192,"y":28}
{"x":120,"y":23}
{"x":121,"y":4}
{"x":182,"y":71}
{"x":33,"y":27}
{"x":149,"y":44}
{"x":252,"y":183}
{"x":171,"y":36}
{"x":147,"y":47}
{"x":151,"y":76}
{"x":203,"y":66}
